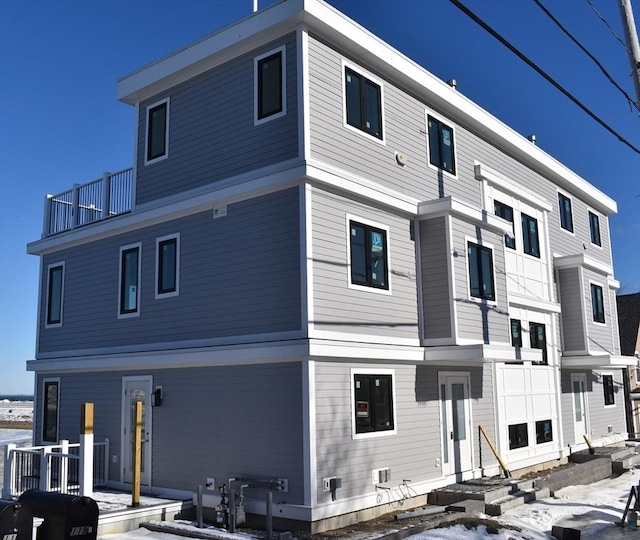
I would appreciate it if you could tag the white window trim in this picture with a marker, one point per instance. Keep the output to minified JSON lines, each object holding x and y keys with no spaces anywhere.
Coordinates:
{"x":175,"y":236}
{"x":613,"y":380}
{"x":573,"y":221}
{"x":603,"y":288}
{"x":46,"y":306}
{"x":42,"y":405}
{"x":367,"y":75}
{"x":166,"y":132}
{"x":283,"y":51}
{"x":475,"y":240}
{"x":448,"y":123}
{"x":355,"y":286}
{"x":372,"y":371}
{"x":600,"y":219}
{"x":138,"y":295}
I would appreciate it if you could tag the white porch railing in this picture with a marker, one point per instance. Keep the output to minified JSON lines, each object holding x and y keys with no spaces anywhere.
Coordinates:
{"x":52,"y":468}
{"x":86,"y":203}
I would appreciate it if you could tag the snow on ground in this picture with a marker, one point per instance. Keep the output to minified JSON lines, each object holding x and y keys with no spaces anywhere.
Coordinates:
{"x":16,"y":411}
{"x":597,"y":506}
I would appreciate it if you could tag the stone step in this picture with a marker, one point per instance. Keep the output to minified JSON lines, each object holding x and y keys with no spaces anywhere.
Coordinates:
{"x":619,"y":466}
{"x":459,"y":492}
{"x":612,"y":453}
{"x":498,"y":507}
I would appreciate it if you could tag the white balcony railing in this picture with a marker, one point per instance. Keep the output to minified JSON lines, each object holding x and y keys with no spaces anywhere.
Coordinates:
{"x":87,"y":203}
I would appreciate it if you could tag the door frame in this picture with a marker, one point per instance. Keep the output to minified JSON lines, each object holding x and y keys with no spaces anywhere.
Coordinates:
{"x":582,"y":378}
{"x":145,"y":477}
{"x":450,"y":468}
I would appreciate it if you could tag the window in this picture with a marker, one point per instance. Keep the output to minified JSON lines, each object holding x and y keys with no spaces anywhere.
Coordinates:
{"x":544,"y":432}
{"x":363,"y":103}
{"x":50,"y":407}
{"x":506,"y":213}
{"x":55,"y":284}
{"x":516,"y":333}
{"x":607,"y":386}
{"x":518,"y":436}
{"x":597,"y":303}
{"x":594,"y":227}
{"x":566,"y":217}
{"x":129,"y":280}
{"x":270,"y":99}
{"x":537,"y":334}
{"x":373,"y":403}
{"x":480,"y":271}
{"x":167,"y":266}
{"x":368,"y":256}
{"x":157,"y":131}
{"x":441,"y":151}
{"x":530,"y":235}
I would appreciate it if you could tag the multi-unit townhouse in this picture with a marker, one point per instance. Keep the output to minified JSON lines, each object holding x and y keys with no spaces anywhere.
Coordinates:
{"x":331,"y":264}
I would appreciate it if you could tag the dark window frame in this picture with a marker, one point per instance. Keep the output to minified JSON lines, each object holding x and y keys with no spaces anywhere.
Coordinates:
{"x":530,"y":238}
{"x":161,"y":289}
{"x":124,"y":282}
{"x":486,"y":289}
{"x":363,"y":111}
{"x":55,"y":294}
{"x":544,"y":431}
{"x":506,"y":212}
{"x":594,"y":229}
{"x":50,"y":410}
{"x":369,"y":262}
{"x":518,"y":436}
{"x":608,"y":390}
{"x":597,"y":303}
{"x":436,"y":130}
{"x":153,"y":136}
{"x":566,"y":213}
{"x":376,"y":414}
{"x":516,"y":337}
{"x":261,"y":87}
{"x":536,"y":342}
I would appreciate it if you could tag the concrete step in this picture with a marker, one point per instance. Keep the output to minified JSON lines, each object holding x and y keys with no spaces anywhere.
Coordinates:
{"x":459,"y":492}
{"x":612,"y":453}
{"x":498,"y":507}
{"x":629,"y":462}
{"x":581,"y":473}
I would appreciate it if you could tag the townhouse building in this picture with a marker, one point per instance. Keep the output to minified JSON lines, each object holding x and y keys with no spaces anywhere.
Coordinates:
{"x":325,"y":263}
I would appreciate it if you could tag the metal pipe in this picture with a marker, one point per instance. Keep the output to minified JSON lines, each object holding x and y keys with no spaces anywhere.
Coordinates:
{"x":269,"y":515}
{"x":199,"y":507}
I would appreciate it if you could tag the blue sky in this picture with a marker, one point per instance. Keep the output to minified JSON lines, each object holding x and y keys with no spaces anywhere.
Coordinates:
{"x":60,"y":122}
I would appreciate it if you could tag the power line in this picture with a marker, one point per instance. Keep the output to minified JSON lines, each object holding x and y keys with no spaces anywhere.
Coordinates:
{"x":608,"y":26}
{"x":595,"y":60}
{"x":522,"y":57}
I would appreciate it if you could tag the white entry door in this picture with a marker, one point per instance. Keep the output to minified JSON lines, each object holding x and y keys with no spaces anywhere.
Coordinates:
{"x":136,"y":389}
{"x":455,"y":411}
{"x":580,"y":419}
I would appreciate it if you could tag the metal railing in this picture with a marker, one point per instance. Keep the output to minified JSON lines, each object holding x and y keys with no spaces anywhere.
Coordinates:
{"x":53,"y":468}
{"x":87,"y":203}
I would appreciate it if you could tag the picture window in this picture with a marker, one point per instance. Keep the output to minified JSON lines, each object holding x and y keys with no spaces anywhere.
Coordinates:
{"x":441,"y":149}
{"x":373,"y":403}
{"x":363,"y":103}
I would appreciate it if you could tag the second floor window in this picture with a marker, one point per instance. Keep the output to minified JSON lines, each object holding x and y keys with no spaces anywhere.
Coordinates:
{"x":441,"y":151}
{"x":363,"y":103}
{"x":594,"y":228}
{"x":566,"y":217}
{"x":270,"y":85}
{"x":157,"y":131}
{"x":55,"y":281}
{"x":480,"y":271}
{"x":538,"y":337}
{"x":516,"y":333}
{"x":530,"y":241}
{"x":129,"y":280}
{"x":368,"y":256}
{"x":597,"y":303}
{"x":167,"y":266}
{"x":506,"y":213}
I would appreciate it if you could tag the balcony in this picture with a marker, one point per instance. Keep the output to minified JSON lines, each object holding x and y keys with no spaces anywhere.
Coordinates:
{"x":87,"y":203}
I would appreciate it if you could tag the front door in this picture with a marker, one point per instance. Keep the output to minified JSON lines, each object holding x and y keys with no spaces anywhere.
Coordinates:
{"x":136,"y":389}
{"x":579,"y":393}
{"x":456,"y":423}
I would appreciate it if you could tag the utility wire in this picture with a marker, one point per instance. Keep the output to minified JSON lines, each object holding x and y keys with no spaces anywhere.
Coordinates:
{"x":608,"y":26}
{"x":595,"y":60}
{"x":522,"y":57}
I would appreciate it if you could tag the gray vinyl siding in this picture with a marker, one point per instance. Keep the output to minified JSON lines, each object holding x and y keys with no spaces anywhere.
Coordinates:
{"x":601,"y":417}
{"x":214,"y":422}
{"x":484,"y":321}
{"x":600,"y":335}
{"x":436,"y":293}
{"x":569,"y":285}
{"x":566,"y":408}
{"x":239,"y":275}
{"x":211,"y":128}
{"x":338,"y":308}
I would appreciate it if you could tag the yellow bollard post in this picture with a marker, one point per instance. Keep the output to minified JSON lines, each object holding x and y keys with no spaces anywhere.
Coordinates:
{"x":137,"y":455}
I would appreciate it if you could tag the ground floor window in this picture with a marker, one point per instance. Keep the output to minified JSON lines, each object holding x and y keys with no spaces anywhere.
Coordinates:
{"x":50,"y":409}
{"x":373,"y":403}
{"x":518,"y":436}
{"x":544,"y":431}
{"x":607,"y":385}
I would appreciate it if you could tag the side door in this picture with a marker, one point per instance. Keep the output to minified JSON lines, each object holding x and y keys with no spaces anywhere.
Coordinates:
{"x":579,"y":395}
{"x":455,"y":410}
{"x":136,"y":389}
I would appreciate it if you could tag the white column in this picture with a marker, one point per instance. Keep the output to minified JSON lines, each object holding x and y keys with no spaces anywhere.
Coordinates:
{"x":86,"y":451}
{"x":9,"y":485}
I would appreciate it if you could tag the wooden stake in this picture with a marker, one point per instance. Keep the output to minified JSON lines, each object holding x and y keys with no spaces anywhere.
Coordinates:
{"x":137,"y":455}
{"x":507,"y":473}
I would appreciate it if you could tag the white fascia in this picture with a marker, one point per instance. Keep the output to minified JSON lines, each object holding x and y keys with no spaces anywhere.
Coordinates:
{"x":452,"y":206}
{"x":477,"y":354}
{"x":530,"y":302}
{"x":601,"y":361}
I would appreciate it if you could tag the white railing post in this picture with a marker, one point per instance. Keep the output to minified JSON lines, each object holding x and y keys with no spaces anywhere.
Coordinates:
{"x":9,"y":485}
{"x":64,"y":466}
{"x":46,"y":218}
{"x":75,"y":205}
{"x":86,"y":451}
{"x":106,"y":195}
{"x":45,"y":469}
